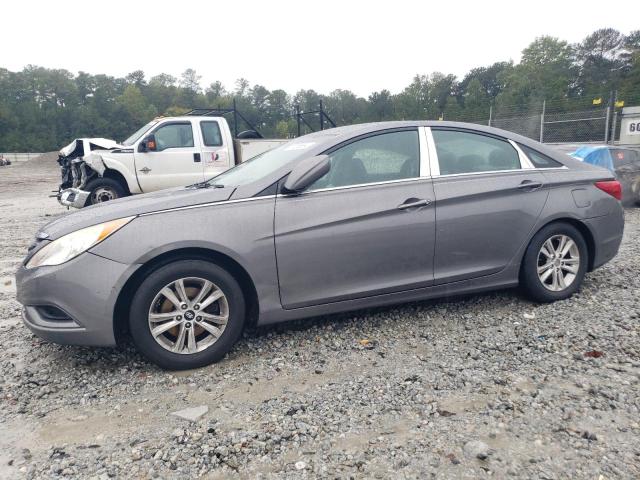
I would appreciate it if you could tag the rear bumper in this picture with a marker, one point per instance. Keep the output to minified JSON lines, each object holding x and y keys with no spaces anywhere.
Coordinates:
{"x":82,"y":292}
{"x":607,"y":234}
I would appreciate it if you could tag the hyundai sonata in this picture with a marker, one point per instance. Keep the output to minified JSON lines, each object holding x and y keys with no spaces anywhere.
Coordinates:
{"x":342,"y":219}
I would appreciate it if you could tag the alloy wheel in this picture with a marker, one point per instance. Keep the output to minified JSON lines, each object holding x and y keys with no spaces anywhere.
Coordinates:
{"x":188,"y":315}
{"x":558,"y":262}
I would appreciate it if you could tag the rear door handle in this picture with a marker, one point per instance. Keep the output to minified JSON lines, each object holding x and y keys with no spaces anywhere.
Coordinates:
{"x":145,"y":170}
{"x":530,"y":185}
{"x":414,"y":203}
{"x":196,"y":157}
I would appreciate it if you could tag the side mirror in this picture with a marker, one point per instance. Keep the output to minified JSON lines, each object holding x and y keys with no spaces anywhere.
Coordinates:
{"x":307,"y":172}
{"x":148,"y":144}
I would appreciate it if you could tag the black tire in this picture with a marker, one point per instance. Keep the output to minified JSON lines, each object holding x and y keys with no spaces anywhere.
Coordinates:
{"x":529,"y":279}
{"x":98,"y":185}
{"x":154,"y":283}
{"x":635,"y":190}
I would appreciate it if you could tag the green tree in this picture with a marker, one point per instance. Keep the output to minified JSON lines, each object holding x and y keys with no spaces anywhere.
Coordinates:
{"x":600,"y":57}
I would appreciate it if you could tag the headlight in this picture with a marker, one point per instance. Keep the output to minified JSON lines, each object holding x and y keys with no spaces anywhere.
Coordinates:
{"x":73,"y":244}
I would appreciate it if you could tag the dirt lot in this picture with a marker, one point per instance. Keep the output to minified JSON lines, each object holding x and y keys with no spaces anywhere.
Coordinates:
{"x":482,"y":386}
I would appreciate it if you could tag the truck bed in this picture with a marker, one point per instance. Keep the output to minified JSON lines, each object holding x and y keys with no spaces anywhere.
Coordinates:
{"x":248,"y":148}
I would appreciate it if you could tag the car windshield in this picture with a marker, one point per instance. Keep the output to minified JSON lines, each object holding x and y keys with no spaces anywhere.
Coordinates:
{"x":134,"y":138}
{"x":262,"y":165}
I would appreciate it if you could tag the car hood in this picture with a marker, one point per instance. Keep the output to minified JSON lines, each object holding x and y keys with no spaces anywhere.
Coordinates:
{"x":132,"y":206}
{"x":94,"y":144}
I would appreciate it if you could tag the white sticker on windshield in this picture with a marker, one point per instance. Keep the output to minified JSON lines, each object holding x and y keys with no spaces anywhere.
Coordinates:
{"x":300,"y":146}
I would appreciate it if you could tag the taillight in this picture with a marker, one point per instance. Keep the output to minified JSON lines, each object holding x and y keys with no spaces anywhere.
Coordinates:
{"x":612,"y":187}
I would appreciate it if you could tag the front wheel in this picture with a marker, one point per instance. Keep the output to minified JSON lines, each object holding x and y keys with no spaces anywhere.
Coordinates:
{"x":555,"y":263}
{"x":102,"y":190}
{"x":187,"y":314}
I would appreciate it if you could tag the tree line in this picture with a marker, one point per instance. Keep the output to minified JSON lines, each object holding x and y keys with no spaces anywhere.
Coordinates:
{"x":42,"y":109}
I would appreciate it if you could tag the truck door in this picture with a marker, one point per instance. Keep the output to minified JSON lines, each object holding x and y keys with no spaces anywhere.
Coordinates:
{"x":176,"y":160}
{"x":216,"y":154}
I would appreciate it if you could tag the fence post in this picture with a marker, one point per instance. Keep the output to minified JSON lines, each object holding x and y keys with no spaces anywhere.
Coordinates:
{"x":610,"y":106}
{"x":613,"y":127}
{"x":298,"y":118}
{"x":606,"y":125}
{"x":544,"y":106}
{"x":490,"y":113}
{"x":321,"y":116}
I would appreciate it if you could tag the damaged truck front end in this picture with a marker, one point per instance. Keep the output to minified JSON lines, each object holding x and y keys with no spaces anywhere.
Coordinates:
{"x":80,"y":162}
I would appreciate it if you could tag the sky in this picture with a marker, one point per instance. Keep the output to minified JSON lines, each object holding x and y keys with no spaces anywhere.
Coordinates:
{"x":363,"y":46}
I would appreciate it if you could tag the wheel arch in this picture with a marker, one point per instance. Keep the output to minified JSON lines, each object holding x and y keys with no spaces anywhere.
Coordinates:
{"x":581,"y":227}
{"x":118,"y":177}
{"x":121,"y":308}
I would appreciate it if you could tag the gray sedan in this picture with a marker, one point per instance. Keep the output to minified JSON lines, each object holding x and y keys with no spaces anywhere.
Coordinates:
{"x":342,"y":219}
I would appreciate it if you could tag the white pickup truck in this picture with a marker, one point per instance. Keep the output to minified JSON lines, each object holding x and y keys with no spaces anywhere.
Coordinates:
{"x":166,"y":152}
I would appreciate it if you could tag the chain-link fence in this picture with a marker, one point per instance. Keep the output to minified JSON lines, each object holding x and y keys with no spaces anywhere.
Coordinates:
{"x":595,"y":118}
{"x":581,"y":126}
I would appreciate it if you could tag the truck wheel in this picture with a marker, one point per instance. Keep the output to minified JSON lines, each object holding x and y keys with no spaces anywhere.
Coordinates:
{"x":103,"y":190}
{"x":187,"y":314}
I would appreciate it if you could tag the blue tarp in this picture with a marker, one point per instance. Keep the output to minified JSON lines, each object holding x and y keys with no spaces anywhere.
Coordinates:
{"x":599,"y":156}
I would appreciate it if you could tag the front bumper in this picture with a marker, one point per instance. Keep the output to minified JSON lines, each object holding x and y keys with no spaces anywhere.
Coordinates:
{"x":84,"y":289}
{"x":73,"y":197}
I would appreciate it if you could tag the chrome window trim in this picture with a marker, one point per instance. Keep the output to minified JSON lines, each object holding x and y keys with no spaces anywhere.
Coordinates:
{"x":563,"y":167}
{"x":423,"y":146}
{"x":358,"y":185}
{"x":525,"y":163}
{"x":488,"y":172}
{"x":434,"y":166}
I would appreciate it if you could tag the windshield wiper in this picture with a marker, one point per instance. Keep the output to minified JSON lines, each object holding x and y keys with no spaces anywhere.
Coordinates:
{"x":205,"y":184}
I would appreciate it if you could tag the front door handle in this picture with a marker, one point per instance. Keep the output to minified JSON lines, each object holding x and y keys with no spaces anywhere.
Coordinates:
{"x":196,"y":157}
{"x":530,"y":185}
{"x":145,"y":170}
{"x":414,"y":203}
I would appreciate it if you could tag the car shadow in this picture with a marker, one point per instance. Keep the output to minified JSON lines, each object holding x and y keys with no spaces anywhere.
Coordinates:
{"x":125,"y":355}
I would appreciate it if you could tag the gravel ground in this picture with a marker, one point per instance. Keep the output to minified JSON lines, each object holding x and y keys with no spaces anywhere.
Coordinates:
{"x":481,"y":386}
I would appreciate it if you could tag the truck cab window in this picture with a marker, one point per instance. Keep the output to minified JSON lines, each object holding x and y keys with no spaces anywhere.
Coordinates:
{"x":174,"y":135}
{"x":211,"y":135}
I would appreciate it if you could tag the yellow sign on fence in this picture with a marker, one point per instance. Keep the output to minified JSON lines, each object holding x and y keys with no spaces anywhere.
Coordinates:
{"x":597,"y":101}
{"x":620,"y":103}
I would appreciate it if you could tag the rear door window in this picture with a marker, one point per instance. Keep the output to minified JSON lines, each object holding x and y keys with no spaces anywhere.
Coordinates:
{"x":211,"y":135}
{"x":465,"y":152}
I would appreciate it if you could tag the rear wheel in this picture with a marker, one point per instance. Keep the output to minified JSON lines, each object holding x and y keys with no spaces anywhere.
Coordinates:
{"x":187,"y":314}
{"x":555,"y":263}
{"x":102,"y":190}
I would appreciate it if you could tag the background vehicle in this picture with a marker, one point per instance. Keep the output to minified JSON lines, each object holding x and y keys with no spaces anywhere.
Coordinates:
{"x":167,"y":152}
{"x":349,"y":218}
{"x":623,"y":162}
